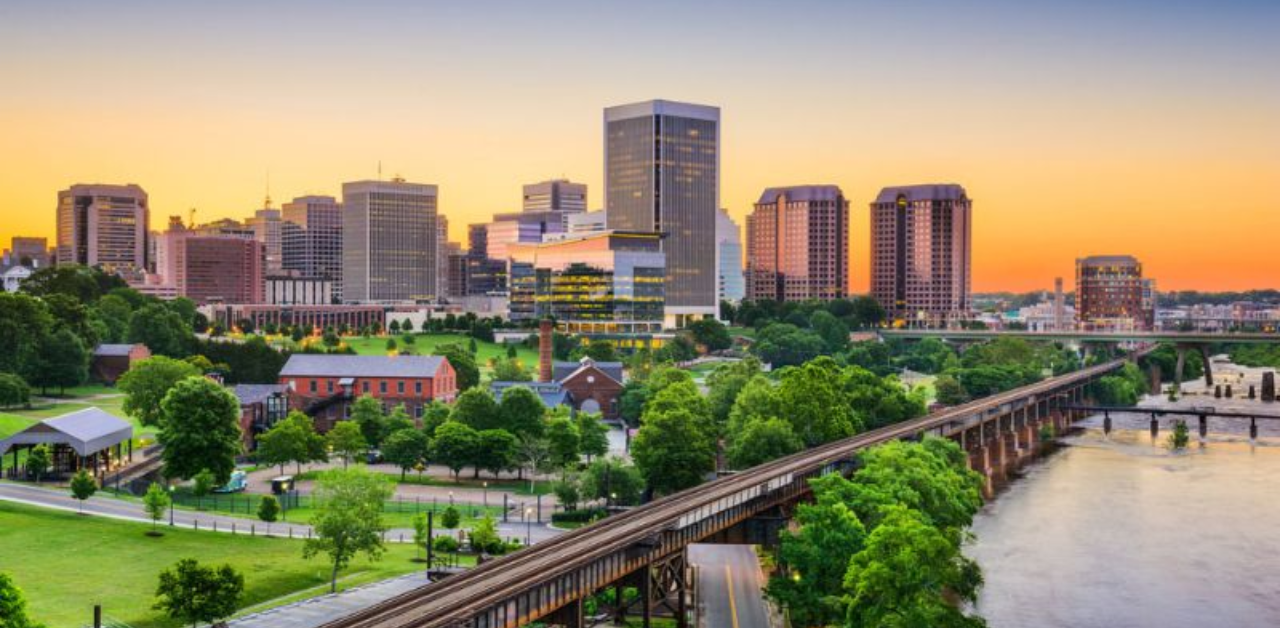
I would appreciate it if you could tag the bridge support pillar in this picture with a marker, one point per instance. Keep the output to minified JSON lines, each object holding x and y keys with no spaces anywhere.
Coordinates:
{"x":568,"y":616}
{"x":1208,"y":366}
{"x":662,"y":580}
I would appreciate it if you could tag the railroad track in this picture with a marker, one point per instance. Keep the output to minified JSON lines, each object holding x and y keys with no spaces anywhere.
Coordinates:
{"x":441,"y":603}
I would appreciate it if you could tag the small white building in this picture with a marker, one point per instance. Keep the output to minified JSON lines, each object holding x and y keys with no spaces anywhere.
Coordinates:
{"x":14,"y":277}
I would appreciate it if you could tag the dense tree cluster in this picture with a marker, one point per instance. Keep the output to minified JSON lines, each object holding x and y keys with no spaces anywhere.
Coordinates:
{"x":1123,"y":388}
{"x":883,"y":548}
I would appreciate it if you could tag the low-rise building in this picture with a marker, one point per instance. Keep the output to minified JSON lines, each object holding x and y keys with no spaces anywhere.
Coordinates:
{"x":110,"y":361}
{"x":261,"y":406}
{"x":324,"y":386}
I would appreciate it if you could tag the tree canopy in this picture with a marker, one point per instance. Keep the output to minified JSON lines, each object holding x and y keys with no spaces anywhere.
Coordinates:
{"x":200,"y":429}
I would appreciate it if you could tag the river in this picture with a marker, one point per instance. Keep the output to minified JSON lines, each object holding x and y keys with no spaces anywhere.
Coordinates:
{"x":1117,"y":531}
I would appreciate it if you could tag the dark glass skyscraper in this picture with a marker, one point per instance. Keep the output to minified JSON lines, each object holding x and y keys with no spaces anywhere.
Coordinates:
{"x":662,"y":173}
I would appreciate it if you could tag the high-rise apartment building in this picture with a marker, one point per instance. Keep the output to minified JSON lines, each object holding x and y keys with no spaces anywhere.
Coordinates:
{"x":733,"y":285}
{"x":1111,"y":294}
{"x":311,"y":240}
{"x":390,"y":240}
{"x":103,"y":225}
{"x":921,"y":251}
{"x":662,"y":174}
{"x":267,"y":229}
{"x":798,"y":244}
{"x":555,"y":195}
{"x":220,"y":269}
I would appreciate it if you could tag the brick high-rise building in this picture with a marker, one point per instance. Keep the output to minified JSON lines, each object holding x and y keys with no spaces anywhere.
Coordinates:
{"x":921,"y":251}
{"x":1112,"y":294}
{"x":103,"y":225}
{"x":662,"y":174}
{"x":798,"y":244}
{"x":389,"y":241}
{"x":220,"y":269}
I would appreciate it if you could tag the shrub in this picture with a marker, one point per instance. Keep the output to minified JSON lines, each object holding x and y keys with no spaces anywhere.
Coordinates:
{"x":582,"y":515}
{"x":445,"y":544}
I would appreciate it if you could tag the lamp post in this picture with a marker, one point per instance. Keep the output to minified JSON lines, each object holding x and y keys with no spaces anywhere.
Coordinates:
{"x":528,"y":527}
{"x":171,"y":496}
{"x":450,"y":498}
{"x":486,"y":497}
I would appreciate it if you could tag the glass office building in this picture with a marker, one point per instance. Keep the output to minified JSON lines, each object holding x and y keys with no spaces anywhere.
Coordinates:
{"x":662,"y":174}
{"x":390,"y":241}
{"x":605,"y":283}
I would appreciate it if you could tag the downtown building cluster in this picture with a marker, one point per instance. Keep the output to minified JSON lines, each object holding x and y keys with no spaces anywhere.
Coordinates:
{"x":660,"y":254}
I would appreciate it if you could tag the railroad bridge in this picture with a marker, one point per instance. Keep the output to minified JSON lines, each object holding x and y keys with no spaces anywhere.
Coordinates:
{"x":646,"y":547}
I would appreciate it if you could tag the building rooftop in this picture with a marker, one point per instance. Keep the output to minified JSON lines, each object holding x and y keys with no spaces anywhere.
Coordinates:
{"x":801,"y":193}
{"x":561,"y":371}
{"x":1109,"y":260}
{"x":924,"y":192}
{"x":552,"y":394}
{"x":256,"y":393}
{"x":112,"y":350}
{"x":86,"y":431}
{"x":302,"y":365}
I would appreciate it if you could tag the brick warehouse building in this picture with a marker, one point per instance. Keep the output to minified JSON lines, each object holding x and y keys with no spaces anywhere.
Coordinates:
{"x":324,"y":386}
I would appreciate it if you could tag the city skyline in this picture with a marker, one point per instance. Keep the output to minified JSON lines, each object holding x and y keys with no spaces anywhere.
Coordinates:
{"x":1082,"y":130}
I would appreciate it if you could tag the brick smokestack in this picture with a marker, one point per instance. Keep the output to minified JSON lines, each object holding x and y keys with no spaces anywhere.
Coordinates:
{"x":544,"y":350}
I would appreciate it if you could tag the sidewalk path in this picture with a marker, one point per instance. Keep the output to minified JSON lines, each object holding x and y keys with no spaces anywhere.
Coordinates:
{"x":325,"y":608}
{"x":134,"y":511}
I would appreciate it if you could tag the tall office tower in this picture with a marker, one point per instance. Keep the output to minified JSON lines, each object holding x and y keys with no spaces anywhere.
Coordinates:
{"x":733,"y":284}
{"x":921,"y":247}
{"x":662,"y":173}
{"x":103,"y":225}
{"x":1111,"y":294}
{"x":478,"y":239}
{"x":389,"y":241}
{"x":442,"y":255}
{"x":798,"y":244}
{"x":266,"y":227}
{"x":1059,"y":306}
{"x":224,"y":228}
{"x":586,"y":222}
{"x":29,"y":251}
{"x":167,"y":243}
{"x":555,"y":195}
{"x":483,"y":275}
{"x":311,"y":239}
{"x":220,"y":269}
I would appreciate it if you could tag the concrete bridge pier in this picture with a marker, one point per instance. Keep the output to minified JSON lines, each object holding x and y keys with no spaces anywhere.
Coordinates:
{"x":1182,"y":349}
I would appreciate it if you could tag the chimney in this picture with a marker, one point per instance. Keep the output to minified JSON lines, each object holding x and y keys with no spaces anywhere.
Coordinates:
{"x":544,"y":350}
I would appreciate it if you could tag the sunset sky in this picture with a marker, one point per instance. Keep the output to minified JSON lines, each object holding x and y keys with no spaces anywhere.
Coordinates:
{"x":1083,"y":127}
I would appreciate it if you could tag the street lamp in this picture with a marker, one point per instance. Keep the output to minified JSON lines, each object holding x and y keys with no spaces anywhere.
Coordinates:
{"x":486,"y":497}
{"x":613,"y":497}
{"x":171,"y":496}
{"x":528,"y":527}
{"x":450,"y":498}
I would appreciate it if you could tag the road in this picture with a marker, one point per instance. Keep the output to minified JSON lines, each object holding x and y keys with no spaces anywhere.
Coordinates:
{"x":134,"y":511}
{"x":730,"y":590}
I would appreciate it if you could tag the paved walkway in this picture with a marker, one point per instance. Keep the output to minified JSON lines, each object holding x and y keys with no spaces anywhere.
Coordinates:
{"x":318,"y":610}
{"x":134,"y":511}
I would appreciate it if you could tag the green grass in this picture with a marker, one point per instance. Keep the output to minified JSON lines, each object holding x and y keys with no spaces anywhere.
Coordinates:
{"x":81,"y":391}
{"x":66,"y":563}
{"x":41,"y":410}
{"x":425,"y":344}
{"x":11,"y":424}
{"x":519,"y":487}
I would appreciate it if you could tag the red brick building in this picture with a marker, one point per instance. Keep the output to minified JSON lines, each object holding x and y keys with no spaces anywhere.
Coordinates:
{"x":109,"y":362}
{"x":324,"y":386}
{"x":592,"y":386}
{"x":221,"y":269}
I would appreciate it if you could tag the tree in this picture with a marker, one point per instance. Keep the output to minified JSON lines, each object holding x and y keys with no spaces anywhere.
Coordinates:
{"x":593,"y":435}
{"x":475,"y":407}
{"x":193,"y":593}
{"x":346,"y":440}
{"x":783,"y":344}
{"x":39,"y":460}
{"x":763,"y":440}
{"x":202,"y":484}
{"x":908,"y":574}
{"x":815,"y":556}
{"x":434,"y":415}
{"x":156,"y":500}
{"x":268,"y":509}
{"x":454,"y":445}
{"x":533,"y":454}
{"x":631,"y":401}
{"x":163,"y":331}
{"x":13,"y":605}
{"x":614,"y":480}
{"x":949,"y":391}
{"x":14,"y":391}
{"x":83,"y":486}
{"x":495,"y":451}
{"x":146,"y":383}
{"x":562,"y":441}
{"x":711,"y":334}
{"x":405,"y":449}
{"x":568,"y":491}
{"x":484,"y":536}
{"x":463,"y":362}
{"x":200,"y":423}
{"x":834,"y":333}
{"x":671,"y":451}
{"x":511,"y":370}
{"x":600,"y":350}
{"x":348,"y":520}
{"x":724,"y":384}
{"x":24,"y":322}
{"x":282,"y":444}
{"x":63,"y":361}
{"x":450,"y":518}
{"x":366,"y":413}
{"x":421,"y":534}
{"x":394,"y":328}
{"x":867,"y":312}
{"x":522,"y":411}
{"x":813,"y":398}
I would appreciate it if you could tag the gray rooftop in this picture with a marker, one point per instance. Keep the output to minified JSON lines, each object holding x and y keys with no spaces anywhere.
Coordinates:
{"x":926,"y":192}
{"x":801,"y":194}
{"x":85,"y":431}
{"x":561,"y":370}
{"x":256,"y":393}
{"x":1109,"y":260}
{"x":317,"y":365}
{"x":551,"y":393}
{"x":113,"y":350}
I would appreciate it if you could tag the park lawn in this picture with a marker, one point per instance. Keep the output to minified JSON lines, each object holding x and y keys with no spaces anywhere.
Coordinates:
{"x":85,"y":390}
{"x":66,"y":563}
{"x":519,"y":487}
{"x":425,"y":344}
{"x":11,"y":424}
{"x":112,"y":405}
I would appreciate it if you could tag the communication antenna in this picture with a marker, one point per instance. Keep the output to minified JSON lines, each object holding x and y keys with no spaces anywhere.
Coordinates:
{"x":267,"y":202}
{"x":191,"y":218}
{"x":379,"y":169}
